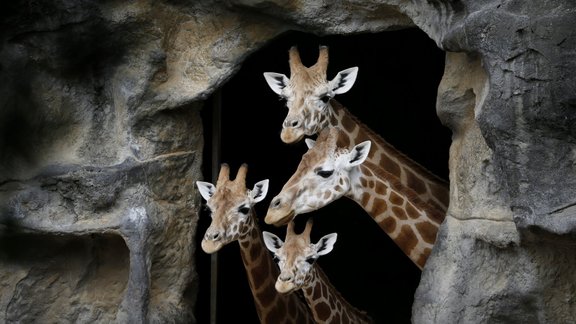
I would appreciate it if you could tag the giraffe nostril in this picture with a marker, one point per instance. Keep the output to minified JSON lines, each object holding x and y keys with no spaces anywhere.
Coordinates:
{"x":212,"y":236}
{"x":285,"y":278}
{"x":276,"y":203}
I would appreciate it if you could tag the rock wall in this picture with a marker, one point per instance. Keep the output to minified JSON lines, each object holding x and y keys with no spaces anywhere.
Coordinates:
{"x":505,"y":252}
{"x":101,"y":143}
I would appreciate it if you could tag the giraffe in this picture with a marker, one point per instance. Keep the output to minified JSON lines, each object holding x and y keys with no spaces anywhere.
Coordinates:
{"x":330,"y":170}
{"x":311,"y":107}
{"x":298,"y":270}
{"x":234,"y":219}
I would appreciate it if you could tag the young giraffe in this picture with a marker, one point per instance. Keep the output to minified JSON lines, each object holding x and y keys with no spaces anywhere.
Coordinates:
{"x":233,"y":218}
{"x":329,"y":170}
{"x":312,"y":108}
{"x":298,"y":270}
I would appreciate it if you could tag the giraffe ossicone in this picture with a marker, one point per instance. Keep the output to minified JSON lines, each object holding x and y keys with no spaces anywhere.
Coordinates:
{"x":296,"y":257}
{"x":233,"y":219}
{"x":308,"y":94}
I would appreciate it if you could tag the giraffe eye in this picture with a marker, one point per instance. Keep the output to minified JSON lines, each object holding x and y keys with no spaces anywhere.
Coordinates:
{"x":310,"y":260}
{"x":325,"y":98}
{"x":244,"y":210}
{"x":324,"y":173}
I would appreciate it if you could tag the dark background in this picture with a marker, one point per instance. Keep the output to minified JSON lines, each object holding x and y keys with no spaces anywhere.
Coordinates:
{"x":395,"y":95}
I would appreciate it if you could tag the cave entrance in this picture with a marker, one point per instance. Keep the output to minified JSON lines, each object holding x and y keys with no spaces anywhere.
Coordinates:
{"x":395,"y":95}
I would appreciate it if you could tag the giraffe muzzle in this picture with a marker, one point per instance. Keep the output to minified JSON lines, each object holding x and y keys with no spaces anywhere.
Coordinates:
{"x":284,"y":287}
{"x":291,"y":135}
{"x":279,"y":217}
{"x":212,"y":242}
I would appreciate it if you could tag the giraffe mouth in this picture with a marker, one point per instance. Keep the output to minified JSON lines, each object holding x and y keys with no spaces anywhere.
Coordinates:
{"x":284,"y":287}
{"x":210,"y":246}
{"x":291,"y":135}
{"x":277,"y":219}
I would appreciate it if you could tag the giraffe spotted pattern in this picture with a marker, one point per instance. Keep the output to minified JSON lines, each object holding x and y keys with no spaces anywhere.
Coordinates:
{"x":411,"y":222}
{"x":233,"y":219}
{"x":299,"y":271}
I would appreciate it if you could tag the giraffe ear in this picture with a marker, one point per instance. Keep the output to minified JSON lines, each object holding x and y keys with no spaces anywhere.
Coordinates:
{"x":359,"y":154}
{"x":272,"y":242}
{"x":344,"y":80}
{"x":326,"y":244}
{"x":309,"y":142}
{"x":276,"y":81}
{"x":206,"y":189}
{"x":258,"y":193}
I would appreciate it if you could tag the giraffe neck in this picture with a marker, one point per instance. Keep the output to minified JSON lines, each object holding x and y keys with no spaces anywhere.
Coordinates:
{"x":429,"y":187}
{"x":271,"y":306}
{"x":410,"y":222}
{"x":326,"y":303}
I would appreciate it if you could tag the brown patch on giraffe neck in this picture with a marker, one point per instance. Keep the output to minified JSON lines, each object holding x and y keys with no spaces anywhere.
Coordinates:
{"x":415,"y":183}
{"x":411,"y":211}
{"x":364,"y":182}
{"x":379,"y":205}
{"x":343,"y":140}
{"x":406,"y":239}
{"x":245,"y":244}
{"x":427,"y":231}
{"x":399,"y":212}
{"x":323,"y":311}
{"x":388,"y":224}
{"x":380,"y":188}
{"x":390,"y":165}
{"x":423,"y":257}
{"x":395,"y":199}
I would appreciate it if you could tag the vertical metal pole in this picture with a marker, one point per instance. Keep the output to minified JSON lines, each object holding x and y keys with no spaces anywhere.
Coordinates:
{"x":216,"y":125}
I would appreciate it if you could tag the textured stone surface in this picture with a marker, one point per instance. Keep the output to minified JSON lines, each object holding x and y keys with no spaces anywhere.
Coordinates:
{"x":101,"y":142}
{"x":93,"y":174}
{"x":503,"y":255}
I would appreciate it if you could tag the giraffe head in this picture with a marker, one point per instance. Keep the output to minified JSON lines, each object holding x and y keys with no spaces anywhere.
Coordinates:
{"x":231,"y":206}
{"x":307,"y":93}
{"x":296,"y":256}
{"x":323,"y":176}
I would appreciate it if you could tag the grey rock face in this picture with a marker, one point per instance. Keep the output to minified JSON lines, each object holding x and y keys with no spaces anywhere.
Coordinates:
{"x":101,"y":142}
{"x":504,"y":253}
{"x":100,"y":186}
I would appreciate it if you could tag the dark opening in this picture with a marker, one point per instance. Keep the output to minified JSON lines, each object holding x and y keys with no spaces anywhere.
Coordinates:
{"x":395,"y":95}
